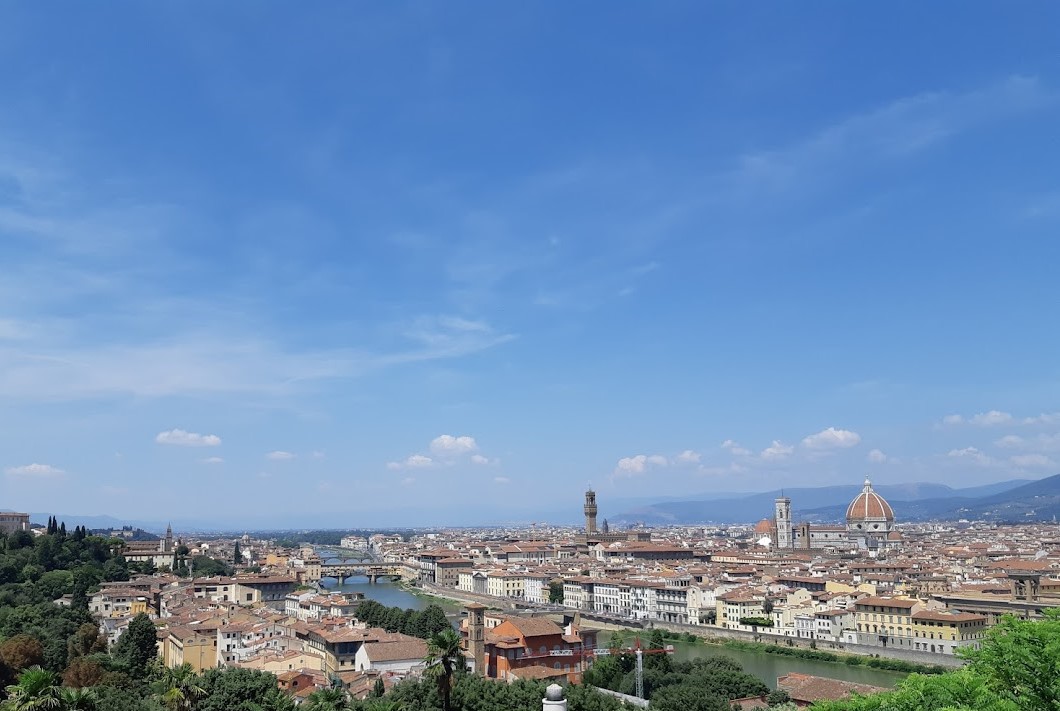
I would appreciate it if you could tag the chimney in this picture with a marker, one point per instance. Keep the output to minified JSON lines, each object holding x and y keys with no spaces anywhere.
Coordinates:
{"x":554,"y":700}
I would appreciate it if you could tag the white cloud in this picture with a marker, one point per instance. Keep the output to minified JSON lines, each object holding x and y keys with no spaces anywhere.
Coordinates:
{"x":735,"y":449}
{"x":991,"y":418}
{"x":448,"y":445}
{"x":973,"y":455}
{"x":183,"y":438}
{"x":212,"y":460}
{"x":317,"y":455}
{"x":877,"y":457}
{"x":1046,"y":418}
{"x":630,"y":466}
{"x":43,"y":471}
{"x":279,"y":455}
{"x":1042,"y":443}
{"x":414,"y":461}
{"x":831,"y":438}
{"x":447,"y":451}
{"x":501,"y":479}
{"x":1032,"y":461}
{"x":953,"y":420}
{"x":688,"y":457}
{"x":408,"y":481}
{"x":776,"y":451}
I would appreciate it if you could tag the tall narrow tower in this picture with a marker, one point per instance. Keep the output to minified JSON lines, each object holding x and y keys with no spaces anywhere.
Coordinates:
{"x":476,"y":640}
{"x":783,"y":511}
{"x":590,"y":512}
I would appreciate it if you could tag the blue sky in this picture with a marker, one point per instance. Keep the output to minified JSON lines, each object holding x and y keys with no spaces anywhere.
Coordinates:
{"x":381,"y":261}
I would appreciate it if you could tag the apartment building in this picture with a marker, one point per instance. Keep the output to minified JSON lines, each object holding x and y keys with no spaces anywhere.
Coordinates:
{"x":946,"y":632}
{"x":886,"y":621}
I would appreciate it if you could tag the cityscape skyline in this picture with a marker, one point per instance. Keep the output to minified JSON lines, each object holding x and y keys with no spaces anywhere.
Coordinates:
{"x":443,"y":258}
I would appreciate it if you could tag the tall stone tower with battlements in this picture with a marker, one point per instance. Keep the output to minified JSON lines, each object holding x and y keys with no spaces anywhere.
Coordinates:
{"x":590,"y":512}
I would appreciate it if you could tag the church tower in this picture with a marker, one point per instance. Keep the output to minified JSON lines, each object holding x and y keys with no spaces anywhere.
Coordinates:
{"x":590,"y":512}
{"x":167,"y":544}
{"x":783,"y":514}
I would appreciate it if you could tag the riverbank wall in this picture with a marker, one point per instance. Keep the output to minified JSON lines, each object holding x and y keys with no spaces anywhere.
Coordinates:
{"x":708,"y":633}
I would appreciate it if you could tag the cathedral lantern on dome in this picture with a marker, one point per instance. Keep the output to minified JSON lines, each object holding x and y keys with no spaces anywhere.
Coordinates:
{"x":870,"y":519}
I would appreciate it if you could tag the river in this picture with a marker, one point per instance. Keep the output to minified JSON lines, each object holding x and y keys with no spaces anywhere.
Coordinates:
{"x":768,"y":667}
{"x":390,"y":594}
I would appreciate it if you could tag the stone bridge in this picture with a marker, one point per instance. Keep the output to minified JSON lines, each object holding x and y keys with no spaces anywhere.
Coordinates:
{"x":341,"y":571}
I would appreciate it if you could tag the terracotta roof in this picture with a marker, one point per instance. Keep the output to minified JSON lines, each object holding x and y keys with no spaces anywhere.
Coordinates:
{"x":535,"y":626}
{"x":886,"y":602}
{"x":937,"y":616}
{"x":537,"y":671}
{"x":869,"y":506}
{"x":808,"y":688}
{"x":396,"y":651}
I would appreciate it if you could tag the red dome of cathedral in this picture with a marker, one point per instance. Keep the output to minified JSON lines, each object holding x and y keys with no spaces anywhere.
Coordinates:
{"x":765,"y":526}
{"x":869,"y":506}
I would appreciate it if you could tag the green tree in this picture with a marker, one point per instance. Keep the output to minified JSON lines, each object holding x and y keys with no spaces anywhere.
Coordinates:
{"x":237,"y":554}
{"x":36,"y":690}
{"x":443,"y":657}
{"x":235,"y":689}
{"x":777,"y":697}
{"x":1020,"y":659}
{"x":204,"y":566}
{"x":555,"y":592}
{"x":178,"y":688}
{"x":331,"y":699}
{"x":378,"y":688}
{"x":87,"y":640}
{"x":74,"y":699}
{"x":137,"y":648}
{"x":431,"y":621}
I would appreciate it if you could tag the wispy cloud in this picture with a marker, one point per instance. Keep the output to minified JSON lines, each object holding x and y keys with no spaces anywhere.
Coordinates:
{"x":280,"y":456}
{"x":892,"y":132}
{"x":183,"y":438}
{"x":40,"y":471}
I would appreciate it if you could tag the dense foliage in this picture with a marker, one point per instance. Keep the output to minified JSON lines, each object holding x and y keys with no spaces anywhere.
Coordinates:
{"x":417,"y":623}
{"x":704,"y":684}
{"x":1016,"y":670}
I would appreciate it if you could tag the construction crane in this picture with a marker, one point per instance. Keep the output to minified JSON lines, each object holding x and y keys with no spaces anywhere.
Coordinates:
{"x":639,"y":652}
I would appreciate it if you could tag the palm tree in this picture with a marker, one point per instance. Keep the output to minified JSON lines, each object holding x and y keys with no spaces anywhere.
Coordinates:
{"x":36,"y":690}
{"x":444,"y":654}
{"x":78,"y":699}
{"x":331,"y":699}
{"x":178,"y":688}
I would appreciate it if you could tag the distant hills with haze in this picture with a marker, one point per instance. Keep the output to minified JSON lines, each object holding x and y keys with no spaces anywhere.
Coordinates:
{"x":1012,"y":500}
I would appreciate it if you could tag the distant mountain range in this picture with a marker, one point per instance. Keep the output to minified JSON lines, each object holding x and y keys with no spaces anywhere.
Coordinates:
{"x":1012,"y":500}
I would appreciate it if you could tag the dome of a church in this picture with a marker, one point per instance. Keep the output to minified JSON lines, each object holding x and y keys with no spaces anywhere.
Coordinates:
{"x":869,"y":506}
{"x":764,"y":526}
